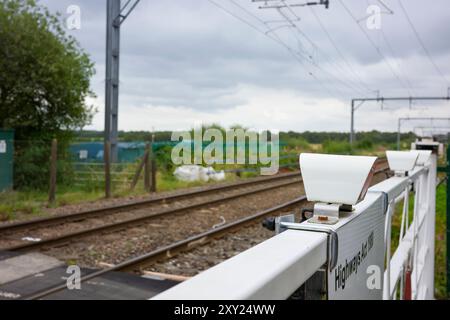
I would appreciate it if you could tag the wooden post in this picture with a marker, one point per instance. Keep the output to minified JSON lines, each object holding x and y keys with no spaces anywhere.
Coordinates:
{"x":107,"y":159}
{"x":138,"y":171}
{"x":153,"y":166}
{"x":53,"y":165}
{"x":147,"y":168}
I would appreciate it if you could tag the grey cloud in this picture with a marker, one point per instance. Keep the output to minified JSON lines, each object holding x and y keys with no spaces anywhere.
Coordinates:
{"x":190,"y":53}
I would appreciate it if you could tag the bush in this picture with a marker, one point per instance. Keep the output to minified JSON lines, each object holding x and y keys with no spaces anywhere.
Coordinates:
{"x":364,"y":145}
{"x":297,"y":144}
{"x":336,"y":147}
{"x":164,"y":162}
{"x":32,"y":165}
{"x":30,"y":170}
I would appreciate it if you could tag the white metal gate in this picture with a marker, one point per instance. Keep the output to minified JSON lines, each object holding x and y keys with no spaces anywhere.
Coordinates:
{"x":360,"y":244}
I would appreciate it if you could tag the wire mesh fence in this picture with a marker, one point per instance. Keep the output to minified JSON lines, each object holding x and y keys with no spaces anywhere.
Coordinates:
{"x":82,"y":167}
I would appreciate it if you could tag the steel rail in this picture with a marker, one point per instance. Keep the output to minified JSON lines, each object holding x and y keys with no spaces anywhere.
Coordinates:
{"x":175,"y":247}
{"x":133,"y":221}
{"x":138,"y":220}
{"x":40,"y":222}
{"x":59,"y":219}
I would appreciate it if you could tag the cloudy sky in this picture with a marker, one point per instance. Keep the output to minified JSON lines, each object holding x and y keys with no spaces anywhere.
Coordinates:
{"x":187,"y":62}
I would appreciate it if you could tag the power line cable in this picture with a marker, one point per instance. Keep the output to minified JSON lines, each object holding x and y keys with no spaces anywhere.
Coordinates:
{"x":349,"y":85}
{"x":306,"y":57}
{"x":377,"y":49}
{"x":341,"y":55}
{"x":390,"y":47}
{"x":388,"y":44}
{"x":275,"y":39}
{"x":422,"y":44}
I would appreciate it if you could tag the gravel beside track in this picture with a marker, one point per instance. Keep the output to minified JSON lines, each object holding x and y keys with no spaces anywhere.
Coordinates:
{"x":115,"y":247}
{"x":10,"y":239}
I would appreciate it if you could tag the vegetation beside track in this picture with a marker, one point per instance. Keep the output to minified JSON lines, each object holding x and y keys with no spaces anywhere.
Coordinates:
{"x":29,"y":202}
{"x":440,"y":275}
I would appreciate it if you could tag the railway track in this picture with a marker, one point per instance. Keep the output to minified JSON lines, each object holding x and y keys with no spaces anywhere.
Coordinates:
{"x":176,"y":247}
{"x":21,"y":245}
{"x":63,"y":218}
{"x":25,"y":245}
{"x":60,"y":219}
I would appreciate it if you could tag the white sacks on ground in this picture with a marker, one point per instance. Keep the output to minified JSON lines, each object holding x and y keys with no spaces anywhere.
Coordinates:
{"x":217,"y":175}
{"x":192,"y":173}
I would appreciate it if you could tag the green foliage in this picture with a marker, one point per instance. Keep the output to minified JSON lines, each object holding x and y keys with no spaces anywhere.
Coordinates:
{"x":163,"y":159}
{"x":32,"y":165}
{"x":44,"y":81}
{"x":296,"y":144}
{"x":440,"y":250}
{"x":440,"y":244}
{"x":29,"y":170}
{"x":364,"y":145}
{"x":376,"y":137}
{"x":336,"y":147}
{"x":45,"y":75}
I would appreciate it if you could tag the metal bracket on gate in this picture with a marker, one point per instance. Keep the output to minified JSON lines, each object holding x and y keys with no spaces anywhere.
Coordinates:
{"x":332,"y":243}
{"x":289,"y":218}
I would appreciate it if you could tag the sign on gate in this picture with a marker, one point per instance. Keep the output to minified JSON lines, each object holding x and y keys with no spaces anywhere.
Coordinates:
{"x":359,"y":268}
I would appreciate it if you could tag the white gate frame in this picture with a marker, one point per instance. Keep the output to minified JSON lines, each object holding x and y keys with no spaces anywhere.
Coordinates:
{"x":277,"y":267}
{"x":415,"y":250}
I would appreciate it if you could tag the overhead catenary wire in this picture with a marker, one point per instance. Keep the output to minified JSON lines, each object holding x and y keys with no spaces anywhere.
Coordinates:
{"x":377,"y":49}
{"x":388,"y":10}
{"x":422,"y":44}
{"x":263,"y":32}
{"x":274,"y":37}
{"x":390,"y":47}
{"x":301,"y":58}
{"x":349,"y":84}
{"x":388,"y":44}
{"x":341,"y":55}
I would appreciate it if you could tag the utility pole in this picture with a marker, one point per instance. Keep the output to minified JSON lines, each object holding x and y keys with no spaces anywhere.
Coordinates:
{"x":382,"y":100}
{"x":115,"y":16}
{"x":112,"y":76}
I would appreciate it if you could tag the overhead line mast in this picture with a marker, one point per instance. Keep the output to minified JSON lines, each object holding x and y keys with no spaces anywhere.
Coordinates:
{"x":115,"y":16}
{"x":361,"y":101}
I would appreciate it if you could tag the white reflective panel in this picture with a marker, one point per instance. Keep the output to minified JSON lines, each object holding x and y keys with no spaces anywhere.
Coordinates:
{"x":336,"y":179}
{"x":423,"y":156}
{"x":401,"y":160}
